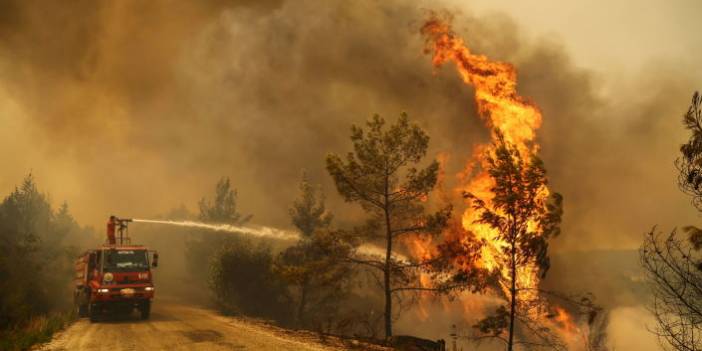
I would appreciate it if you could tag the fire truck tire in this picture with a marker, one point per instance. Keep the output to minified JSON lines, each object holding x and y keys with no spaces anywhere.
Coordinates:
{"x":92,"y":313}
{"x":145,"y":310}
{"x":81,"y":310}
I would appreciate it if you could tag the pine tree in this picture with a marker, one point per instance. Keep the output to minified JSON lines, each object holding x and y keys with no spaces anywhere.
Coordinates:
{"x":382,"y":175}
{"x":315,"y":266}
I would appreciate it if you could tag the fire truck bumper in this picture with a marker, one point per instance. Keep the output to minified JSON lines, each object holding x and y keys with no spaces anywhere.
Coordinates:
{"x":122,"y":295}
{"x":118,"y":303}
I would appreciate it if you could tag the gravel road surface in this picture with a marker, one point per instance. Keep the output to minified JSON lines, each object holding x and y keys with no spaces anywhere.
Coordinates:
{"x":175,"y":326}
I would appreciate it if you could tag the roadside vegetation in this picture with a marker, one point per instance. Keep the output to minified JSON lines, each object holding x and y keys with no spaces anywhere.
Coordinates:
{"x":38,"y":244}
{"x":349,"y":280}
{"x":329,"y":283}
{"x":37,"y":330}
{"x":324,"y":282}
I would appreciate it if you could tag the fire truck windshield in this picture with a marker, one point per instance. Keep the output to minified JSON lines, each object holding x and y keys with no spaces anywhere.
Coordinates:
{"x":125,"y":260}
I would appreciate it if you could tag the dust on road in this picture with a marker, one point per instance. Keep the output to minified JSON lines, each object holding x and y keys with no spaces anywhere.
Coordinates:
{"x":179,"y":327}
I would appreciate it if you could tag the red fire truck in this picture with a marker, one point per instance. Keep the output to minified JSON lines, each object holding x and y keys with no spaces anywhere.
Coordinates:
{"x":115,"y":277}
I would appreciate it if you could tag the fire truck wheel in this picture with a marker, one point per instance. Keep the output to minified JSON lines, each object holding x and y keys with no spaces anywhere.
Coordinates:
{"x":145,"y":310}
{"x":93,"y":313}
{"x":81,"y":310}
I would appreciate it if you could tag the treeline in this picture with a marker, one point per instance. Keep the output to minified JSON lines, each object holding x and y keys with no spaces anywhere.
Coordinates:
{"x":326,"y":281}
{"x":357,"y":280}
{"x":38,"y":244}
{"x":352,"y":280}
{"x":308,"y":284}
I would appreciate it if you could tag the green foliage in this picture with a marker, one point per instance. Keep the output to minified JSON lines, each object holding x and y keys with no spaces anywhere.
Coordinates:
{"x":319,"y":276}
{"x":382,"y":174}
{"x":309,"y":213}
{"x":315,"y":267}
{"x":221,"y":209}
{"x":373,"y":171}
{"x":243,"y":281}
{"x":37,"y":249}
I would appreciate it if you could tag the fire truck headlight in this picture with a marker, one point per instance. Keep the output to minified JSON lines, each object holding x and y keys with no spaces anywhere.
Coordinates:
{"x":149,"y":288}
{"x":103,"y":291}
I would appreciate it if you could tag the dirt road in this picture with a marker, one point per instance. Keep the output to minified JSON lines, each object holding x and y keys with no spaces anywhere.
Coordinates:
{"x":175,"y":326}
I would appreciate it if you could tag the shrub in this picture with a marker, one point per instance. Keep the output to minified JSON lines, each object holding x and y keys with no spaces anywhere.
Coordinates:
{"x":243,"y":281}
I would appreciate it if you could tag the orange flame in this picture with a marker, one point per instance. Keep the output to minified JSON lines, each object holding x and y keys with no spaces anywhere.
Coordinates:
{"x":494,"y":82}
{"x":505,"y":112}
{"x":565,"y":320}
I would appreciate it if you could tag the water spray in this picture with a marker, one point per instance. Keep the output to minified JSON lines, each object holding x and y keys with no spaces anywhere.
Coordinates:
{"x":261,"y":232}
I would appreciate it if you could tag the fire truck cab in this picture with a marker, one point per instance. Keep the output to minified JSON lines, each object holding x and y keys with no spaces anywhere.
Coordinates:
{"x":116,"y":277}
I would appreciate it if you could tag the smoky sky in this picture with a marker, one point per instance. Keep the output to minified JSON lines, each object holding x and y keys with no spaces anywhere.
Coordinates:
{"x":133,"y":108}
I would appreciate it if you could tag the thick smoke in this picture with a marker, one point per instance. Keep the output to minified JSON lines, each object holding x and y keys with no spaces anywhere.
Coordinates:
{"x":134,"y":107}
{"x":131,"y":108}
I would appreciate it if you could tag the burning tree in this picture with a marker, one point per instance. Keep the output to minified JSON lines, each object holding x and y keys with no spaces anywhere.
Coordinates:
{"x":381,"y":174}
{"x":522,"y":220}
{"x":512,"y":212}
{"x":673,"y":265}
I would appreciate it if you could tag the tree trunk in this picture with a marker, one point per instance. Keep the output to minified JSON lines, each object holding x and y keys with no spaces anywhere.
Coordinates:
{"x":387,"y":271}
{"x":388,"y":292}
{"x":513,"y":300}
{"x":302,"y":305}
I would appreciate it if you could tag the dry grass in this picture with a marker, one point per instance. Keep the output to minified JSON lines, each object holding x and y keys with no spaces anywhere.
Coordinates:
{"x":37,"y":330}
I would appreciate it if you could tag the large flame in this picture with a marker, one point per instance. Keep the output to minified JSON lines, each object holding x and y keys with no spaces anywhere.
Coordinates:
{"x":504,"y":111}
{"x":494,"y":82}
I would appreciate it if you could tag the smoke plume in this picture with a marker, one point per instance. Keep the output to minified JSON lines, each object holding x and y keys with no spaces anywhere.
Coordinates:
{"x":131,"y":108}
